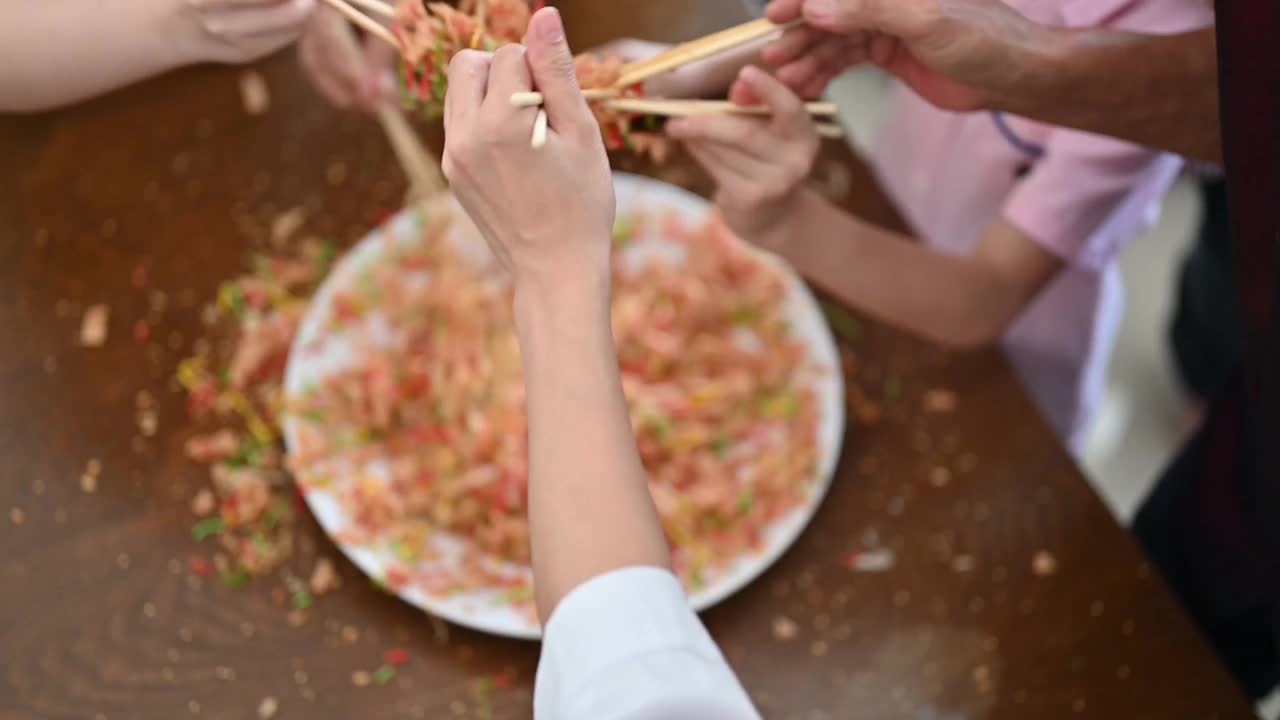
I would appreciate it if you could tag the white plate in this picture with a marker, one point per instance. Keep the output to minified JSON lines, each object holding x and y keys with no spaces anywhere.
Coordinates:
{"x":315,"y":354}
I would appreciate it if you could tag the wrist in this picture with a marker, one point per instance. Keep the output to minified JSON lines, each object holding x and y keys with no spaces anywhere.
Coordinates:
{"x":1037,"y":69}
{"x":567,"y":298}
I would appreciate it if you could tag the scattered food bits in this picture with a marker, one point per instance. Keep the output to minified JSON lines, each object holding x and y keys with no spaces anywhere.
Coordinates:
{"x":204,"y":502}
{"x":17,"y":516}
{"x":1044,"y":564}
{"x":193,"y":707}
{"x":141,"y":331}
{"x":361,"y":678}
{"x":222,"y":672}
{"x":296,"y":618}
{"x":963,"y":563}
{"x":383,"y":674}
{"x":255,"y":95}
{"x":123,"y":561}
{"x":89,"y":483}
{"x":967,"y":463}
{"x":784,"y":628}
{"x":395,"y":656}
{"x":982,"y":679}
{"x":286,"y":224}
{"x":939,"y":402}
{"x":871,"y":561}
{"x":267,"y":708}
{"x":138,"y":278}
{"x":350,"y":634}
{"x":818,"y":648}
{"x":94,"y":326}
{"x":200,"y":566}
{"x":324,"y":577}
{"x":93,"y":467}
{"x":940,"y":476}
{"x":148,"y":422}
{"x":149,"y":610}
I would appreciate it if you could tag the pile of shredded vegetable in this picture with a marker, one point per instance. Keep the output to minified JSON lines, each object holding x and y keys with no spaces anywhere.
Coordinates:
{"x":718,"y":389}
{"x":431,"y":33}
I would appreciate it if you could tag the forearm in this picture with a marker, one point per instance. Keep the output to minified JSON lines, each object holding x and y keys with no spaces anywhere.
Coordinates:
{"x":62,"y":51}
{"x":948,"y":299}
{"x":1156,"y":90}
{"x":590,"y":509}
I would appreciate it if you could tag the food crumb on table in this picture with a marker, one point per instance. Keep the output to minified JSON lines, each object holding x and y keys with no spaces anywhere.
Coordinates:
{"x":784,"y":628}
{"x":1044,"y":564}
{"x":267,"y":708}
{"x":255,"y":94}
{"x":940,"y":476}
{"x":939,"y":402}
{"x":324,"y":577}
{"x":17,"y":515}
{"x":94,"y":326}
{"x":871,"y":561}
{"x":361,"y":678}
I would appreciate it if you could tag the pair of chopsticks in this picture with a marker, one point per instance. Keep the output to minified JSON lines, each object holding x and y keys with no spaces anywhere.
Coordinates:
{"x":632,"y":73}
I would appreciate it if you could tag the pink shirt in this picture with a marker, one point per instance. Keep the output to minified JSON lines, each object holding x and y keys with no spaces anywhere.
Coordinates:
{"x":1080,"y":196}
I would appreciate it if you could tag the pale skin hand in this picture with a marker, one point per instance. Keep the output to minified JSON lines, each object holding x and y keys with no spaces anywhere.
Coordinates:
{"x":759,"y":166}
{"x":590,"y":510}
{"x":1156,"y":90}
{"x":62,"y":51}
{"x":348,"y":77}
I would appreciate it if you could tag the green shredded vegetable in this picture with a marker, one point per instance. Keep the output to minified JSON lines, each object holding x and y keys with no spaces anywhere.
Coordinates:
{"x":207,"y":527}
{"x":383,"y":674}
{"x":302,"y":599}
{"x":235,"y":578}
{"x":846,"y":326}
{"x":745,"y":501}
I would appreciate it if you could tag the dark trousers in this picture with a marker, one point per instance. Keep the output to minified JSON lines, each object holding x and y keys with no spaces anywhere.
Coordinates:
{"x":1170,"y":525}
{"x":1206,"y":336}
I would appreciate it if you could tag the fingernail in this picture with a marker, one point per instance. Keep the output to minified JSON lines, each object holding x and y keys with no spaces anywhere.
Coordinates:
{"x":552,"y":29}
{"x":820,"y":9}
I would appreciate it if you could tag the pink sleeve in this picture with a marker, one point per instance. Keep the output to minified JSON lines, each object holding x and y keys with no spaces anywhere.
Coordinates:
{"x":1089,"y":195}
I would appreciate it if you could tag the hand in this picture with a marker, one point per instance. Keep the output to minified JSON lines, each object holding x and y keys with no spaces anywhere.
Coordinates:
{"x":346,"y":74}
{"x":950,"y":53}
{"x":758,"y":164}
{"x":547,"y":213}
{"x":237,"y":31}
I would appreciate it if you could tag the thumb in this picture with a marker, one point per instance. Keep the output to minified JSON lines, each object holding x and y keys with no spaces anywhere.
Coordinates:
{"x":838,"y":16}
{"x":551,"y":66}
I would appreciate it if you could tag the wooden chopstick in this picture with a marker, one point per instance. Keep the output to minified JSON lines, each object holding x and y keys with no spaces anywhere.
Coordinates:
{"x":366,"y":23}
{"x":673,"y":108}
{"x":533,"y":99}
{"x":685,"y":53}
{"x":376,"y":6}
{"x":423,"y":173}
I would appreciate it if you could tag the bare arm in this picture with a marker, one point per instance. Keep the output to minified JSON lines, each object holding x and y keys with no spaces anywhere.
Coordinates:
{"x":590,"y":510}
{"x":61,"y":51}
{"x":1156,"y":90}
{"x":963,"y":301}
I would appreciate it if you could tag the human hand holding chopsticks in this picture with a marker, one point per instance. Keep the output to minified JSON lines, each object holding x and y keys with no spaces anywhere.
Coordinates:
{"x":546,"y":212}
{"x":759,"y":164}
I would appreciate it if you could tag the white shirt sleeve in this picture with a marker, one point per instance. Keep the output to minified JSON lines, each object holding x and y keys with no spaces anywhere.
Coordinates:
{"x":626,"y":646}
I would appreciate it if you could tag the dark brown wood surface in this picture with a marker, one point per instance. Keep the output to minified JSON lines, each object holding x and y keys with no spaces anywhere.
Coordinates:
{"x":100,"y":619}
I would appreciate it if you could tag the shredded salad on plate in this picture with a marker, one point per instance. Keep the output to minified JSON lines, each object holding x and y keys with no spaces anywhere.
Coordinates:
{"x":421,"y":431}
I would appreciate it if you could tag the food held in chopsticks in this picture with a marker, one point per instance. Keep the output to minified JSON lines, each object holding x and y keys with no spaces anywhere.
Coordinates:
{"x":430,"y":34}
{"x":719,"y":388}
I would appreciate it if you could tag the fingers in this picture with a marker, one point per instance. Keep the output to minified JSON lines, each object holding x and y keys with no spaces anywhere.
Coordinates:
{"x":783,"y":11}
{"x":789,"y":117}
{"x":468,"y":78}
{"x":792,"y":44}
{"x":508,"y":74}
{"x":377,"y":84}
{"x":553,"y":72}
{"x":259,"y":19}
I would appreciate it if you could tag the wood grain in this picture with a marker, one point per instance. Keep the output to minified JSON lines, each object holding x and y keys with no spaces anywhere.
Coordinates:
{"x":100,"y":619}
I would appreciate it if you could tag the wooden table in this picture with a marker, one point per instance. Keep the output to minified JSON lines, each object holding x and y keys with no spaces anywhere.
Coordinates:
{"x":100,"y":619}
